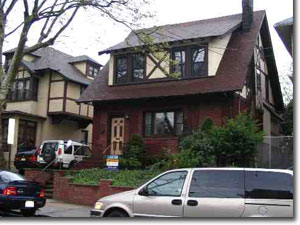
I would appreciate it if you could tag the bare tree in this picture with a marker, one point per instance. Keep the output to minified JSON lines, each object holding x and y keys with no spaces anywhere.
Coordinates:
{"x":53,"y":17}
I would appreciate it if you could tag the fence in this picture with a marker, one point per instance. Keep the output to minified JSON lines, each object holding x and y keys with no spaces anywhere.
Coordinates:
{"x":276,"y":152}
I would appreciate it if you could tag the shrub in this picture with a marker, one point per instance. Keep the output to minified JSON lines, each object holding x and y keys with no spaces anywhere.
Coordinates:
{"x":235,"y":143}
{"x":134,"y":153}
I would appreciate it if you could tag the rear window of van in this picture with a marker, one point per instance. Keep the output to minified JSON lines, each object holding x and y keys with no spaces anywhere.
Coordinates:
{"x":268,"y":185}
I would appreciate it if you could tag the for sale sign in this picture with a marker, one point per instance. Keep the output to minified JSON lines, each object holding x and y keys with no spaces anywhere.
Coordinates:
{"x":112,"y":162}
{"x":11,"y":131}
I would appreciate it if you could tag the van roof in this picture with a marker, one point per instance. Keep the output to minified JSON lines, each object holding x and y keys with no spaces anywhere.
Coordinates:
{"x":238,"y":168}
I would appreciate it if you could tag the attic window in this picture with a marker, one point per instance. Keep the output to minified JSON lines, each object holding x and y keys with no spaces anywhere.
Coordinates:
{"x":190,"y":61}
{"x":93,"y":71}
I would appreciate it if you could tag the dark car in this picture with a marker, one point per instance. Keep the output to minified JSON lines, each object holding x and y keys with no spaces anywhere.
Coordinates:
{"x":26,"y":158}
{"x":18,"y":194}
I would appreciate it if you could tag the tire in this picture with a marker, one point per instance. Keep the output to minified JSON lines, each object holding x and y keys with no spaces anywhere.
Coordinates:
{"x":28,"y":212}
{"x":117,"y":213}
{"x":71,"y":165}
{"x":48,"y":155}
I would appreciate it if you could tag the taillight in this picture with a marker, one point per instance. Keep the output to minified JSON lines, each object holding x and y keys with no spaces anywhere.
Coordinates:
{"x":59,"y":151}
{"x":33,"y":158}
{"x":17,"y":159}
{"x":39,"y":151}
{"x":10,"y":191}
{"x":42,"y":193}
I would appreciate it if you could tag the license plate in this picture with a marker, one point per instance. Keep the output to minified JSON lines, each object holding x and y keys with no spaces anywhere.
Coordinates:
{"x":23,"y":159}
{"x":29,"y":204}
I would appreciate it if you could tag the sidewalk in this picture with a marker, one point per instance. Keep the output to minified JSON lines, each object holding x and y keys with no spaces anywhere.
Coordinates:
{"x":54,"y":208}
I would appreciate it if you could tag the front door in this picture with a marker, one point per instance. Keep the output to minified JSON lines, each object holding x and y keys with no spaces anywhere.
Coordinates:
{"x":117,"y":136}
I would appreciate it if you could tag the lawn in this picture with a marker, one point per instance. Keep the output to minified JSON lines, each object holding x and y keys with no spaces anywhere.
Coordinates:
{"x":125,"y":178}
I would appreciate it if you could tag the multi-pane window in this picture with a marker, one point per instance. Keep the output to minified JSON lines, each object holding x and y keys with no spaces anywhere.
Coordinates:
{"x":24,"y":89}
{"x":26,"y":134}
{"x":163,"y":123}
{"x":93,"y":71}
{"x":130,"y":68}
{"x":138,"y":67}
{"x":178,"y":63}
{"x":198,"y":62}
{"x":121,"y":70}
{"x":190,"y":61}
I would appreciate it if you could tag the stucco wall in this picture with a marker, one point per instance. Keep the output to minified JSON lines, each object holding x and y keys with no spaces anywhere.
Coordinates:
{"x":81,"y":66}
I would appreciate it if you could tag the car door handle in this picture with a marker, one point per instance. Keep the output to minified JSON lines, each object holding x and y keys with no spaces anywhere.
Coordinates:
{"x":192,"y":203}
{"x":176,"y":202}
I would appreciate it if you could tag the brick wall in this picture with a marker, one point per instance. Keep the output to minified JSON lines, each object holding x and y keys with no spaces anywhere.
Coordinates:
{"x":195,"y":109}
{"x":64,"y":190}
{"x":39,"y":176}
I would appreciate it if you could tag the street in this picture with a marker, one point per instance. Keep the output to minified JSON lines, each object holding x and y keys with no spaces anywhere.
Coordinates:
{"x":55,"y":208}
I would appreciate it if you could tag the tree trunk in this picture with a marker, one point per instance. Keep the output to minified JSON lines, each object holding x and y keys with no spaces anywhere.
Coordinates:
{"x":2,"y":159}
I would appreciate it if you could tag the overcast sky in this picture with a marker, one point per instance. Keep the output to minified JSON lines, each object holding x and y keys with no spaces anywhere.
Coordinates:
{"x":90,"y":34}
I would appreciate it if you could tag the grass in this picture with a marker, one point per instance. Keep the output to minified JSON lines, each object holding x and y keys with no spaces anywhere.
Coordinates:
{"x":125,"y":178}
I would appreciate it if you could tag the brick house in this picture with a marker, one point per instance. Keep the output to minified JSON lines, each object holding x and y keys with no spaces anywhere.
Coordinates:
{"x":43,"y":98}
{"x":222,"y":65}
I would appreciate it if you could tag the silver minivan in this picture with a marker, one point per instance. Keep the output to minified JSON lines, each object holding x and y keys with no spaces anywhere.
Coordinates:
{"x":205,"y":192}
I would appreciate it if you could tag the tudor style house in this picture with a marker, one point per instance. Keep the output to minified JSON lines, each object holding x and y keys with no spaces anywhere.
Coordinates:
{"x":212,"y":68}
{"x":43,"y":99}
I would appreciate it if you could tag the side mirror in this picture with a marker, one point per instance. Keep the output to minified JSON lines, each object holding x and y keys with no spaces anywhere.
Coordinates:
{"x":144,"y":191}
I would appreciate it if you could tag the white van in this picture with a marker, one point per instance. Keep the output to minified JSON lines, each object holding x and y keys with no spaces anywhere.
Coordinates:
{"x":206,"y":192}
{"x":62,"y":153}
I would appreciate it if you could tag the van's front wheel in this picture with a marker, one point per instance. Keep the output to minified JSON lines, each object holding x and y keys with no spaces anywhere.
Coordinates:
{"x":117,"y":213}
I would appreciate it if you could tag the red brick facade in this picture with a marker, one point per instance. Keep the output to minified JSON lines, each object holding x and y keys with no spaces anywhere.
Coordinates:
{"x":195,"y":109}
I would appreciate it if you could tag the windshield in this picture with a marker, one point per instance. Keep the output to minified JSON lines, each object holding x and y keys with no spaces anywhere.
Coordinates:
{"x":9,"y":176}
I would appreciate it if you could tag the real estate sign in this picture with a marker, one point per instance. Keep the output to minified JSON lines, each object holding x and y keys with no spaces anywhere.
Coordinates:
{"x":112,"y":162}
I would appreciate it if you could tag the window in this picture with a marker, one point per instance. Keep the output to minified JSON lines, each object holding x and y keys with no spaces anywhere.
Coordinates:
{"x":68,"y":148}
{"x":84,"y":136}
{"x":268,"y":185}
{"x":130,"y":68}
{"x":26,"y":134}
{"x":93,"y":71}
{"x":190,"y":61}
{"x":267,"y":89}
{"x":24,"y":90}
{"x":163,"y":123}
{"x":6,"y":176}
{"x":138,"y":67}
{"x":121,"y":70}
{"x":4,"y":134}
{"x":178,"y":57}
{"x":198,"y":62}
{"x":170,"y":184}
{"x":217,"y":184}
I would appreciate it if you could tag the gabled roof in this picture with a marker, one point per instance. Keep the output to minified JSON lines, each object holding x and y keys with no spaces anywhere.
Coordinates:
{"x":50,"y":58}
{"x":231,"y":74}
{"x":284,"y":29}
{"x":182,"y":31}
{"x":83,"y":58}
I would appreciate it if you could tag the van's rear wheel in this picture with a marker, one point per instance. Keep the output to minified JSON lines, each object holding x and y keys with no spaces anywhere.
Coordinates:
{"x":117,"y":213}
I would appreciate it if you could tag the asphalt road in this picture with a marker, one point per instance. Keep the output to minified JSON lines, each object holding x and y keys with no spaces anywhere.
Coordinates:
{"x":55,"y":208}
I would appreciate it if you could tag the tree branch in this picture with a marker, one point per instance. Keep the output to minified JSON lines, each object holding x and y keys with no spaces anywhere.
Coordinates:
{"x":51,"y":40}
{"x":14,"y":30}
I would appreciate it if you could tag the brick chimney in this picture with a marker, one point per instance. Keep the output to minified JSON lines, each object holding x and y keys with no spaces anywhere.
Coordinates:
{"x":247,"y":16}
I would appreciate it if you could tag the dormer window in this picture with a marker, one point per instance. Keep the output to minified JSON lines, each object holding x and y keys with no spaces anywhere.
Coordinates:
{"x":130,"y":68}
{"x":190,"y":61}
{"x":93,"y":71}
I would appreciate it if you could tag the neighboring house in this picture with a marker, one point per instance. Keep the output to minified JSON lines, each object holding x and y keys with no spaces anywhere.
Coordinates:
{"x":43,"y":98}
{"x":222,"y":65}
{"x":285,"y":31}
